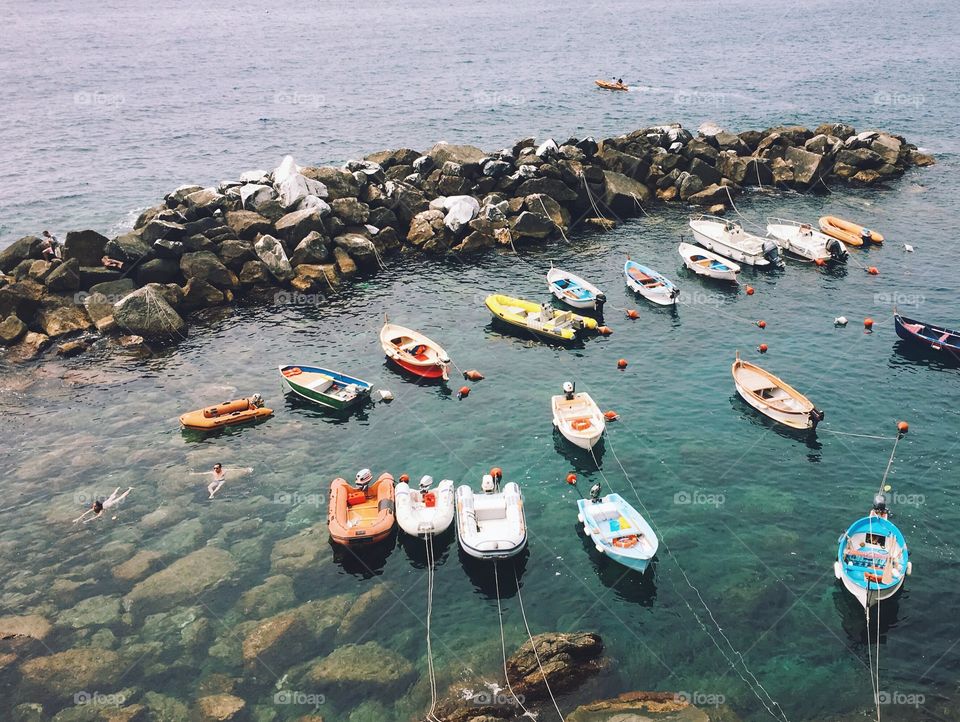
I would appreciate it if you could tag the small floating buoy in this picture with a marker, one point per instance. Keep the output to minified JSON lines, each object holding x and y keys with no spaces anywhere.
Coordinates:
{"x":749,"y":290}
{"x":762,"y":348}
{"x":840,"y":321}
{"x":386,"y":395}
{"x":611,"y":416}
{"x":572,"y":479}
{"x":622,"y":363}
{"x":873,"y":270}
{"x":820,"y":262}
{"x":633,"y":313}
{"x":908,"y":248}
{"x":404,"y":479}
{"x":473,"y":375}
{"x":497,"y":473}
{"x":761,"y":323}
{"x":903,"y":427}
{"x":868,"y":324}
{"x":464,"y":392}
{"x":604,"y":330}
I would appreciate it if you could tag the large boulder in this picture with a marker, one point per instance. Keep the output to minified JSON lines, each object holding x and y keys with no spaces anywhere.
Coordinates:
{"x":351,"y":211}
{"x":186,"y":579}
{"x":649,"y":707}
{"x":275,"y":643}
{"x":65,"y":277}
{"x":291,"y":185}
{"x":255,"y":273}
{"x":296,"y":226}
{"x":145,"y":312}
{"x":532,"y":225}
{"x":11,"y":330}
{"x":19,"y":251}
{"x":159,"y":229}
{"x":807,"y":167}
{"x":270,"y":251}
{"x":22,"y":298}
{"x":368,"y":666}
{"x":159,"y":270}
{"x":565,"y":659}
{"x":705,"y":172}
{"x":840,"y":130}
{"x":198,"y":293}
{"x":234,"y":253}
{"x":540,"y":203}
{"x":339,"y":183}
{"x":62,"y":675}
{"x":206,"y":201}
{"x":248,"y":224}
{"x":425,"y":226}
{"x":205,"y":266}
{"x":254,"y":196}
{"x":710,"y":196}
{"x":860,"y":158}
{"x":61,"y":320}
{"x":85,"y":246}
{"x":127,"y":248}
{"x":887,"y":147}
{"x":462,"y":154}
{"x":553,"y":187}
{"x":460,"y":210}
{"x":404,"y":200}
{"x":314,"y":249}
{"x":622,"y":194}
{"x":220,"y":707}
{"x":629,"y":165}
{"x":388,"y":158}
{"x":361,"y":249}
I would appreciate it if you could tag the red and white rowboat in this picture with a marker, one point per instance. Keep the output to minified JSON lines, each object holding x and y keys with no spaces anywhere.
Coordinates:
{"x":414,"y":352}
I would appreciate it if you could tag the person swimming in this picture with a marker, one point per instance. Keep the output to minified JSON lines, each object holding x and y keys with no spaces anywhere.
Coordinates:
{"x":98,"y":507}
{"x":219,"y":475}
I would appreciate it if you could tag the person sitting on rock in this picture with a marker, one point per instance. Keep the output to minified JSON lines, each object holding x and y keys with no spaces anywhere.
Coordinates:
{"x":98,"y":507}
{"x":111,"y":263}
{"x":49,"y":247}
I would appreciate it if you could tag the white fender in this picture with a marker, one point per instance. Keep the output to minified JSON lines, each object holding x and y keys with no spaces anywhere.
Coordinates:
{"x":837,"y":571}
{"x":909,"y":568}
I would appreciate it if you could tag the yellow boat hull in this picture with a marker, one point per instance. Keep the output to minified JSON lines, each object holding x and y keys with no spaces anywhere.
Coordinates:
{"x":541,"y":319}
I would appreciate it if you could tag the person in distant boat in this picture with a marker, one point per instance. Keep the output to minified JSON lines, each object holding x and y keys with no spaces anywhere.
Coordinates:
{"x":111,"y":263}
{"x":98,"y":507}
{"x":619,"y":81}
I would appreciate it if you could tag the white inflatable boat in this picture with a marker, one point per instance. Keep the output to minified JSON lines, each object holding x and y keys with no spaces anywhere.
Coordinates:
{"x":424,"y":511}
{"x":491,"y":525}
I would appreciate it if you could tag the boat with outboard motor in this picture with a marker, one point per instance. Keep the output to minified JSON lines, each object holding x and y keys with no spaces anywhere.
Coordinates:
{"x":574,"y":291}
{"x":363,"y":513}
{"x":617,"y":529}
{"x":803,"y":240}
{"x":424,"y":511}
{"x":577,"y":417}
{"x":730,"y":240}
{"x":491,"y":525}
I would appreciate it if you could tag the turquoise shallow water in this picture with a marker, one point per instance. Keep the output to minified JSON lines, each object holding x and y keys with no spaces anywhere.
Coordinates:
{"x":757,"y":540}
{"x":116,"y":106}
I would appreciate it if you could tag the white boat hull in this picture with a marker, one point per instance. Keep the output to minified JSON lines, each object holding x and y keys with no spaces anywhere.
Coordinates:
{"x":491,"y":526}
{"x":796,"y":420}
{"x":579,"y":421}
{"x":743,"y":247}
{"x":865,"y":597}
{"x":812,"y":247}
{"x":688,"y":252}
{"x":594,"y":303}
{"x":417,"y":519}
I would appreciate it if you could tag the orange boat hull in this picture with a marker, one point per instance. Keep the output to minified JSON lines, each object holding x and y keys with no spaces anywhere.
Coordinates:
{"x":363,"y":523}
{"x":229,"y":413}
{"x":848,"y":232}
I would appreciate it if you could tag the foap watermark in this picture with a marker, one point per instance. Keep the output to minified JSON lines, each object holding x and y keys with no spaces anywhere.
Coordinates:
{"x":702,"y":298}
{"x":696,"y":97}
{"x":296,"y":499}
{"x":80,"y":297}
{"x":699,"y":498}
{"x":495,"y":698}
{"x":85,"y":497}
{"x":898,"y":298}
{"x":483,"y":97}
{"x":294,"y":298}
{"x":911,"y":100}
{"x":915,"y":500}
{"x":906,"y":699}
{"x":97,"y":98}
{"x":292,"y":97}
{"x":99,"y":699}
{"x":701,"y":699}
{"x":296,"y":697}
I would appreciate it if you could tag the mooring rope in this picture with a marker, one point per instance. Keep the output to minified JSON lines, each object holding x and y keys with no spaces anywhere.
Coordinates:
{"x":428,"y":543}
{"x":503,"y":642}
{"x":536,"y":654}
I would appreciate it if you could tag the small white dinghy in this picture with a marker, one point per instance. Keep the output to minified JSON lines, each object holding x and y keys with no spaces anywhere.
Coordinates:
{"x":707,"y":263}
{"x":491,"y":525}
{"x":773,"y":397}
{"x":730,"y":240}
{"x":802,"y":239}
{"x":423,"y":512}
{"x":650,"y":284}
{"x":574,"y":291}
{"x":577,"y":417}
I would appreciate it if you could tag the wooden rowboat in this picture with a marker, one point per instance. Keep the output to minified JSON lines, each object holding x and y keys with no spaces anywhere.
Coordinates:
{"x":650,"y":284}
{"x":849,"y":232}
{"x":414,"y":352}
{"x":324,"y":386}
{"x":229,"y":413}
{"x":872,"y":559}
{"x":574,"y":291}
{"x":707,"y":263}
{"x":607,"y":85}
{"x":934,"y":338}
{"x":773,"y":397}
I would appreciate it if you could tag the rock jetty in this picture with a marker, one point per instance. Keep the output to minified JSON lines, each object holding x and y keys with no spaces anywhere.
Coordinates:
{"x":302,"y":232}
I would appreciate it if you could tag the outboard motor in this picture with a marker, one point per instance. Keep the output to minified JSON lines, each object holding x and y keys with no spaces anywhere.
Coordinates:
{"x":595,"y":493}
{"x":488,"y":484}
{"x":880,"y":505}
{"x":364,"y":477}
{"x":866,"y":234}
{"x":546,"y":312}
{"x":601,"y":299}
{"x":568,"y":389}
{"x":816,"y":416}
{"x":836,"y":250}
{"x":425,"y":483}
{"x":257,"y":400}
{"x":771,"y":251}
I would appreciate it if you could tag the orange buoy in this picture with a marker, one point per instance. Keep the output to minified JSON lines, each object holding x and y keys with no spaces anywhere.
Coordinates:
{"x":571,"y":479}
{"x":868,"y":324}
{"x":463,"y":392}
{"x":762,"y":348}
{"x":497,"y":473}
{"x":761,"y":323}
{"x":749,"y":290}
{"x":820,"y":262}
{"x":633,"y":313}
{"x":404,"y":479}
{"x":873,"y":271}
{"x":473,"y":375}
{"x":903,"y":427}
{"x":604,"y":330}
{"x":622,"y":363}
{"x":611,"y":415}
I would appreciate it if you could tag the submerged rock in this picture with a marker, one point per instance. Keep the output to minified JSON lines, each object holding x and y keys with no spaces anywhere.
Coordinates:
{"x":62,"y":675}
{"x":641,"y":706}
{"x":220,"y":708}
{"x":32,"y":626}
{"x":185,"y":579}
{"x":565,"y":659}
{"x":367,"y":666}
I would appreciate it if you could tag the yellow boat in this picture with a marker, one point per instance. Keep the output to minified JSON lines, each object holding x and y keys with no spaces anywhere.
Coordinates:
{"x":541,"y":319}
{"x":607,"y":85}
{"x":849,"y":232}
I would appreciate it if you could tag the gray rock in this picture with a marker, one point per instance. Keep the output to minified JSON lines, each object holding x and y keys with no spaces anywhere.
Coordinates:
{"x":186,"y":579}
{"x":807,"y":167}
{"x":248,"y":224}
{"x":621,"y":194}
{"x":145,"y":312}
{"x":19,"y":251}
{"x":405,"y":200}
{"x":313,"y":249}
{"x":425,"y":226}
{"x":178,"y":195}
{"x":706,"y":173}
{"x":85,"y":246}
{"x":198,"y":293}
{"x":709,"y":196}
{"x":234,"y":253}
{"x":389,"y":158}
{"x":271,"y":252}
{"x":463,"y":154}
{"x":460,"y":210}
{"x":369,"y":665}
{"x":205,"y":266}
{"x":532,"y":225}
{"x":65,"y":277}
{"x":339,"y":183}
{"x":11,"y":330}
{"x":545,"y":205}
{"x":253,"y":196}
{"x":361,"y":250}
{"x":30,"y":346}
{"x":316,"y":204}
{"x":128,"y":248}
{"x":351,"y":211}
{"x":840,"y":130}
{"x":552,"y":187}
{"x":291,"y":185}
{"x":255,"y":273}
{"x":295,"y":226}
{"x":159,"y":270}
{"x":156,"y":230}
{"x":206,"y":201}
{"x":61,"y":320}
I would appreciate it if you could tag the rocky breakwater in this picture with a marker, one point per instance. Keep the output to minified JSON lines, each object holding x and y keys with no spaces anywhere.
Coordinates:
{"x":302,"y":232}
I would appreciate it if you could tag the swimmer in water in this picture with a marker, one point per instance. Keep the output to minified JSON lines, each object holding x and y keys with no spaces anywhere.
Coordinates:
{"x":98,"y":507}
{"x":219,"y":475}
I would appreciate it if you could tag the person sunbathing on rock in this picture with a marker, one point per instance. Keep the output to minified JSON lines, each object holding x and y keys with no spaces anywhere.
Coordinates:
{"x":111,"y":263}
{"x":98,"y":507}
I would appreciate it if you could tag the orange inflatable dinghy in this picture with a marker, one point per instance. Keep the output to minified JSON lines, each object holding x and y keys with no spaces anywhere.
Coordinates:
{"x":607,"y":85}
{"x":361,"y":514}
{"x":238,"y":411}
{"x":847,"y":231}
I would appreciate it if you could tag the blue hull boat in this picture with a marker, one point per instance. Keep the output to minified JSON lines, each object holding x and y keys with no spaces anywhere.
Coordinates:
{"x":618,"y":531}
{"x":925,"y":335}
{"x":872,"y":559}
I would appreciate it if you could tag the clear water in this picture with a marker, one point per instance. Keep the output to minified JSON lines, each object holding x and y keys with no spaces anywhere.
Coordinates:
{"x":198,"y":88}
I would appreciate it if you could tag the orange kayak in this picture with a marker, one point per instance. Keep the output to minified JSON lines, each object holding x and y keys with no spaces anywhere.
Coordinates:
{"x":607,"y":85}
{"x":358,"y":517}
{"x":848,"y":231}
{"x":238,"y":411}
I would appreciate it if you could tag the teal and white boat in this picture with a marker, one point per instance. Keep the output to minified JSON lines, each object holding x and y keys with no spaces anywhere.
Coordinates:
{"x":325,"y":387}
{"x":618,"y":530}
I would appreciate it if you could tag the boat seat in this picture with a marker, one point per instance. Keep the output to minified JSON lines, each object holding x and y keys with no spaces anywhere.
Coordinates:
{"x":321,"y":384}
{"x":603,"y":512}
{"x":489,"y":509}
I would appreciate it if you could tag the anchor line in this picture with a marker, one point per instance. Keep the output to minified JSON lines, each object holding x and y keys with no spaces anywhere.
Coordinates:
{"x":536,"y":654}
{"x":503,"y":642}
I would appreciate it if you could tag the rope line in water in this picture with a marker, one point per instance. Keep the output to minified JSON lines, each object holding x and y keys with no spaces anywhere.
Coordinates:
{"x":503,"y":642}
{"x":536,"y":654}
{"x":428,"y":543}
{"x":752,"y":683}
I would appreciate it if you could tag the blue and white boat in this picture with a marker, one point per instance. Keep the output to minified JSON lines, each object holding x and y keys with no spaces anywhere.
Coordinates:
{"x":872,"y":557}
{"x":650,"y":284}
{"x":326,"y":387}
{"x":574,"y":291}
{"x":707,"y":263}
{"x":617,"y":529}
